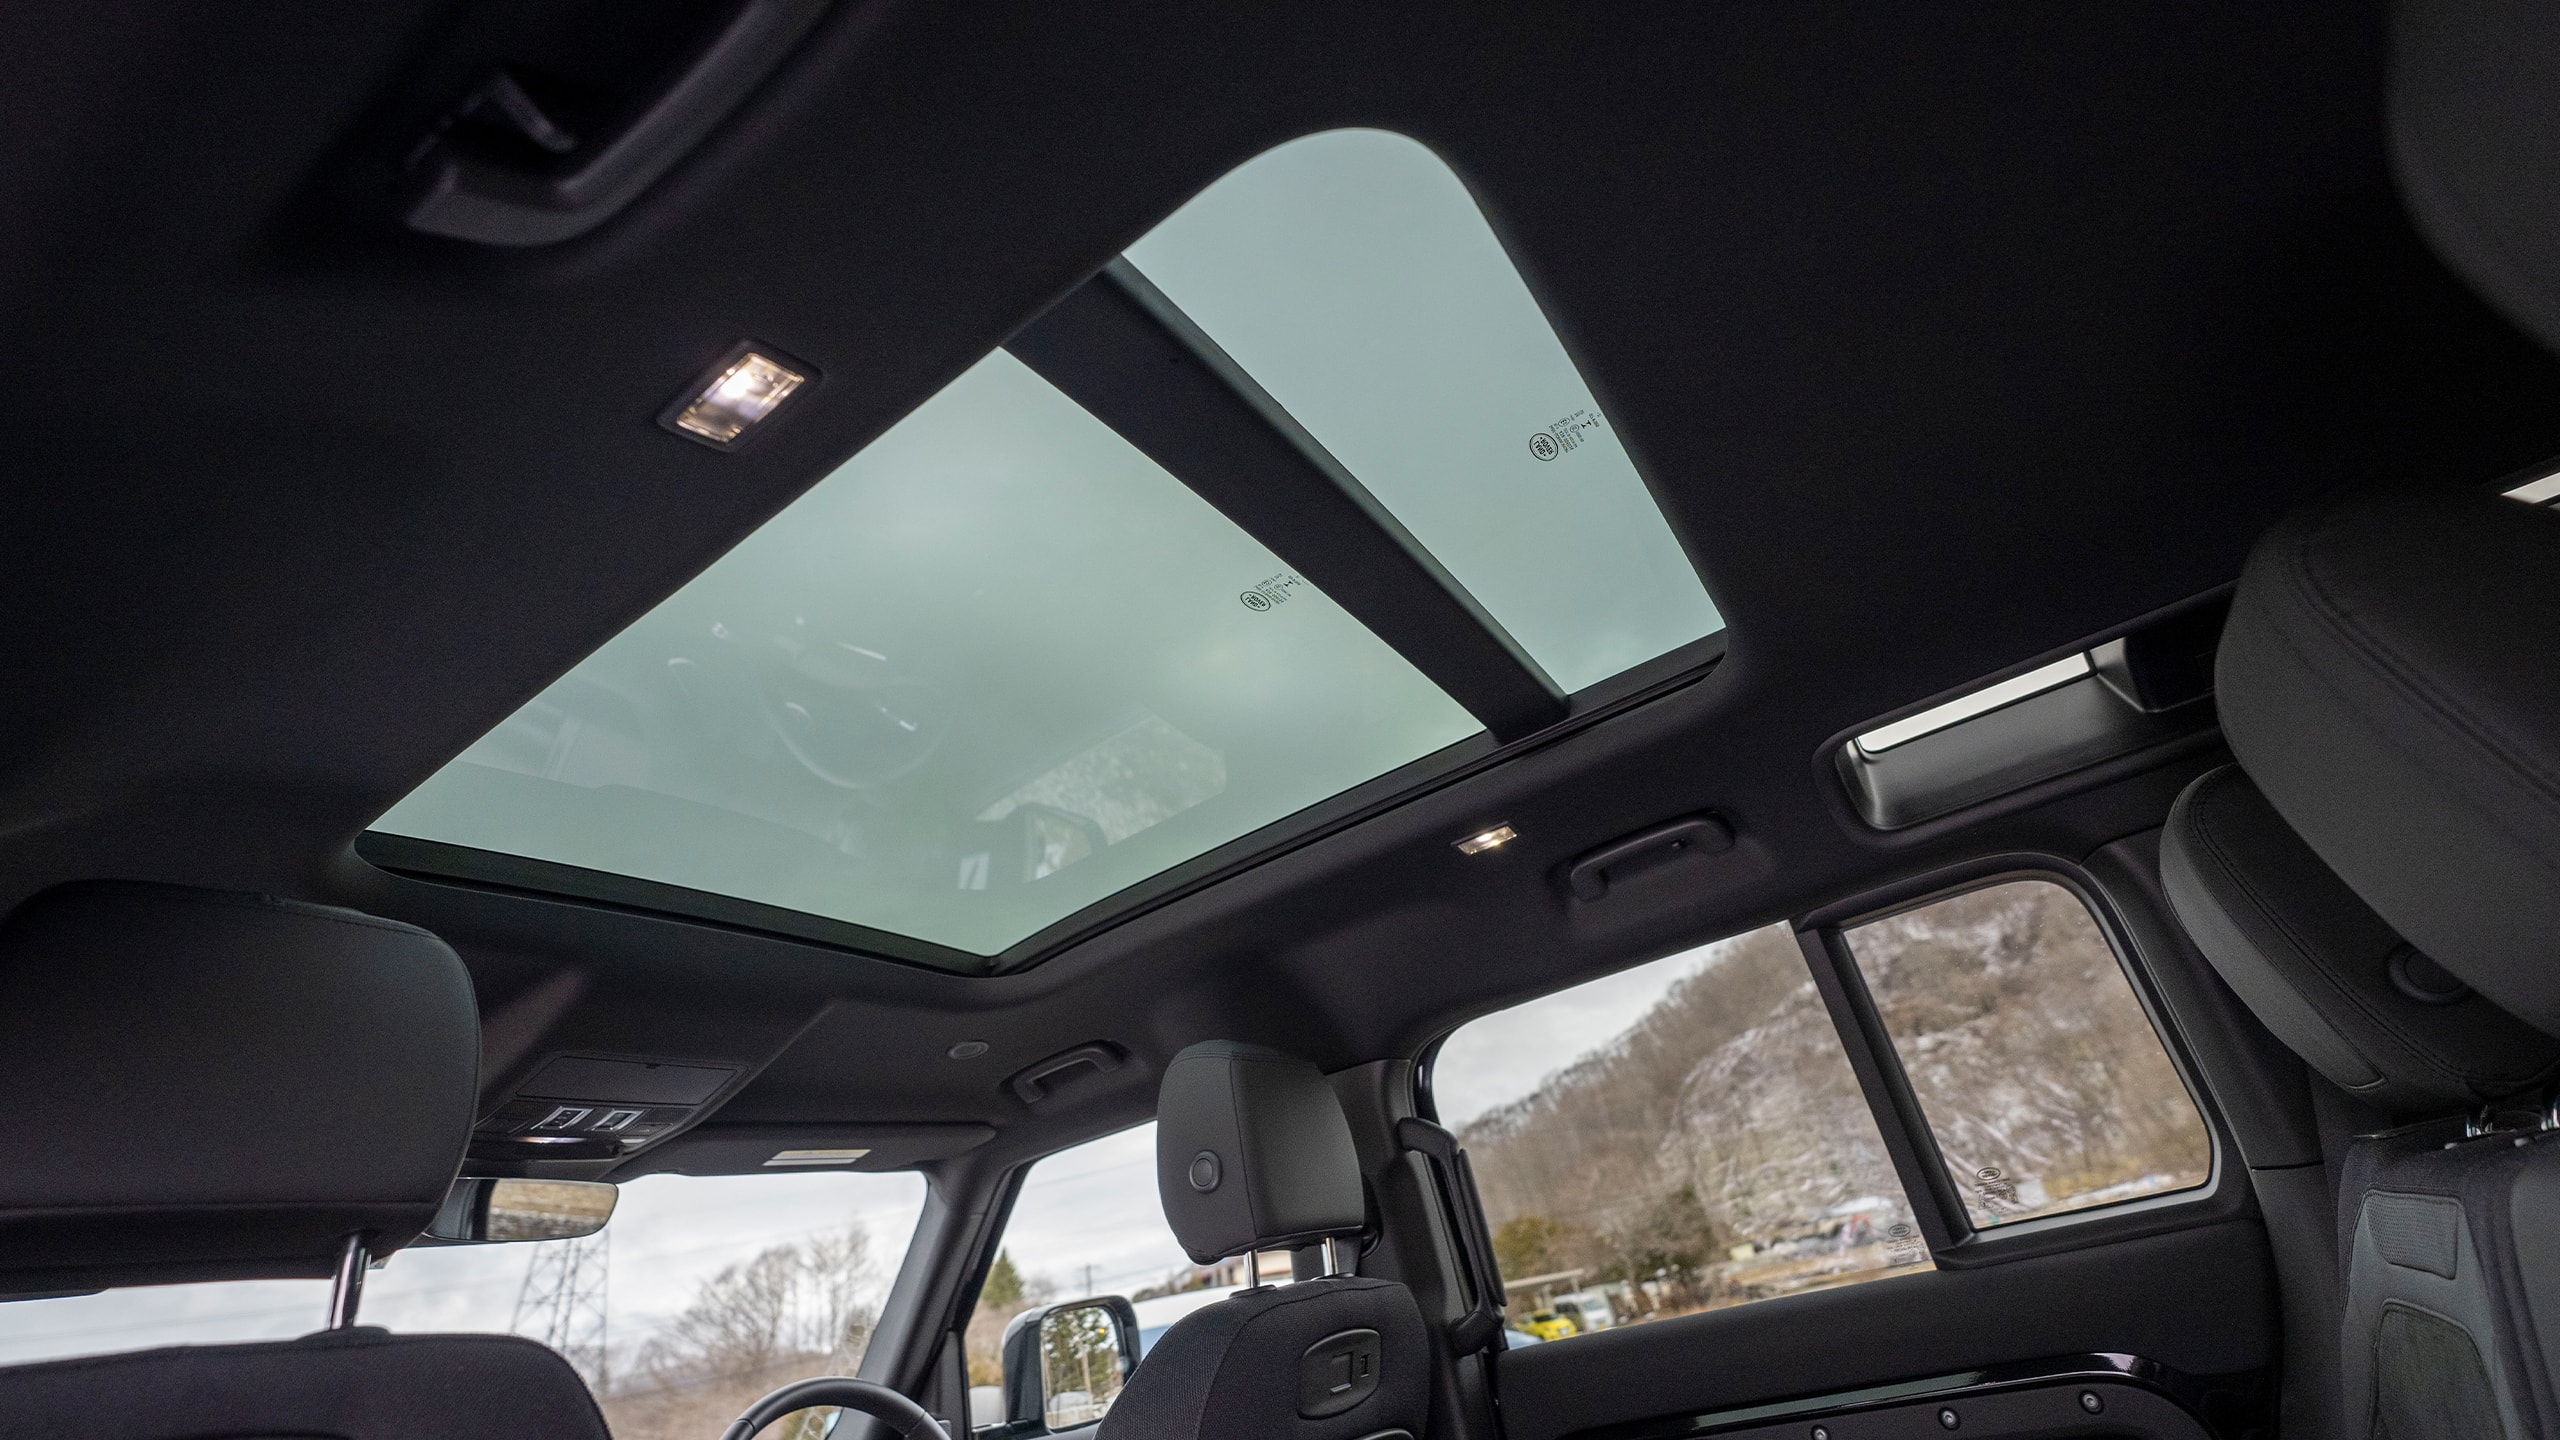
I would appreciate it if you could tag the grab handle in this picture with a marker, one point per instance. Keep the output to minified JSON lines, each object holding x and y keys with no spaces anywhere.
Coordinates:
{"x":468,"y":197}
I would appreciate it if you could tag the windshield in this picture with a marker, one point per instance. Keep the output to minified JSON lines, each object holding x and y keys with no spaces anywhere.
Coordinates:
{"x":700,"y":1296}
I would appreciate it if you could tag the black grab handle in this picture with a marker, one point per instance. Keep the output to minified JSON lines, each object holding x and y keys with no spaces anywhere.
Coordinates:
{"x":470,"y":198}
{"x":1588,"y":877}
{"x":1483,"y":1321}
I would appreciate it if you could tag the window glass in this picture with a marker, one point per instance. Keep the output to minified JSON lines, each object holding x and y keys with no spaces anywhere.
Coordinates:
{"x":1353,"y":276}
{"x":995,"y":668}
{"x":1679,"y":1137}
{"x":701,"y":1295}
{"x":1088,"y":1222}
{"x":2043,"y":1081}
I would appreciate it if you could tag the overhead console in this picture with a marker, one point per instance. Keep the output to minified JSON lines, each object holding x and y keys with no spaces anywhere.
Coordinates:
{"x":2135,"y":701}
{"x":590,"y":1108}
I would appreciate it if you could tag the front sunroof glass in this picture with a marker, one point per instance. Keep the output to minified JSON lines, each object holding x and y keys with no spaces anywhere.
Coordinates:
{"x":993,"y":669}
{"x":1354,"y":277}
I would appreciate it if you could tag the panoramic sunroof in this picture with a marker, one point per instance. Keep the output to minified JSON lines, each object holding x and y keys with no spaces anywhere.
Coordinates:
{"x":1010,"y":661}
{"x":1353,"y":276}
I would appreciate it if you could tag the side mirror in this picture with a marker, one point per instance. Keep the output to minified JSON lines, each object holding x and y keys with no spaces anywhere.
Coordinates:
{"x":477,"y":1212}
{"x":1065,"y":1364}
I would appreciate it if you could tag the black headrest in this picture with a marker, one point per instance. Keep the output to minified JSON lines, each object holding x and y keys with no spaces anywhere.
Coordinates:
{"x":204,"y":1086}
{"x":2475,"y":144}
{"x":1252,"y":1152}
{"x":2324,"y":972}
{"x":2390,"y":677}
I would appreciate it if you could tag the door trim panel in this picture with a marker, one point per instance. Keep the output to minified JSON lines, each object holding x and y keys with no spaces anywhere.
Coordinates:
{"x":2200,"y":1302}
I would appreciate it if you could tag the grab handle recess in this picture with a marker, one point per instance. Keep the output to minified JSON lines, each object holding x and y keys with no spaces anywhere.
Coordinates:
{"x":467,"y":197}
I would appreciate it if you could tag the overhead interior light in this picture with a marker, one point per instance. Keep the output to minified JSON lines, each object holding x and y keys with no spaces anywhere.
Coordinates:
{"x":816,"y":1157}
{"x":1989,"y":697}
{"x":749,"y":387}
{"x":2544,"y":491}
{"x":1483,"y":840}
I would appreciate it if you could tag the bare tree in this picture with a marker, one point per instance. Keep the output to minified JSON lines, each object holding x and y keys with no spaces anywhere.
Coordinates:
{"x":789,"y":1312}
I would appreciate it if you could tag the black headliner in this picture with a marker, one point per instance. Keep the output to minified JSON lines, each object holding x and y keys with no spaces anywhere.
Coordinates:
{"x":1951,"y":336}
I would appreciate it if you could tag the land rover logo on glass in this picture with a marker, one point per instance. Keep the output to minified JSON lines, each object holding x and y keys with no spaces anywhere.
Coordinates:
{"x":1006,"y":670}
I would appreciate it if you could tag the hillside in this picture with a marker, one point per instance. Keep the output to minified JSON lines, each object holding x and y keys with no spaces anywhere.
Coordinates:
{"x":1720,"y":1149}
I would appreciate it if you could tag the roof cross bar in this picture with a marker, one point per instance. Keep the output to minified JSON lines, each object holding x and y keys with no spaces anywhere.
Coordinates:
{"x":1116,"y":346}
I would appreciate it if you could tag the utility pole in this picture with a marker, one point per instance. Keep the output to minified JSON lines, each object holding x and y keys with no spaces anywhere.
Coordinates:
{"x":562,"y":1302}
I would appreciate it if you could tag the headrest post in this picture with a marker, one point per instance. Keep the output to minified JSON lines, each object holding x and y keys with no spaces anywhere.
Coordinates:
{"x":1333,"y":1256}
{"x":348,"y":1292}
{"x":1253,"y":1269}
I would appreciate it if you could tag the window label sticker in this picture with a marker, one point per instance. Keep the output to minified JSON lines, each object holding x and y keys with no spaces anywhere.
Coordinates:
{"x":1272,"y":593}
{"x":1564,"y":436}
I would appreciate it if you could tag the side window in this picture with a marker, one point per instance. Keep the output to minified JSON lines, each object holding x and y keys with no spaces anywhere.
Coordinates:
{"x":2044,"y":1084}
{"x":1678,"y":1137}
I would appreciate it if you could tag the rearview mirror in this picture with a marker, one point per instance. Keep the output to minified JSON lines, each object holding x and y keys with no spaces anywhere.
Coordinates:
{"x":1065,"y":1364}
{"x":479,"y":1212}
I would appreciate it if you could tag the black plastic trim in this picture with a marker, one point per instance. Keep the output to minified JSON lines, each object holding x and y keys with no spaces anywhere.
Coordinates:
{"x":2105,"y":1375}
{"x":2049,"y":734}
{"x":468,"y":197}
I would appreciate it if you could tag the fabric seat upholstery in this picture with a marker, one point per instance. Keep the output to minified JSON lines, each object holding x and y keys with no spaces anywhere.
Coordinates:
{"x":2382,"y":887}
{"x":359,"y":1384}
{"x":210,"y":1086}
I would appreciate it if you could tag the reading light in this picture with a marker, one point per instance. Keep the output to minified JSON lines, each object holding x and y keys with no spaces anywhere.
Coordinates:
{"x":1483,"y":840}
{"x":750,"y":387}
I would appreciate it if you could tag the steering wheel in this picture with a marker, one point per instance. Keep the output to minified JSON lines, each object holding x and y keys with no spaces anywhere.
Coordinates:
{"x":905,"y":1417}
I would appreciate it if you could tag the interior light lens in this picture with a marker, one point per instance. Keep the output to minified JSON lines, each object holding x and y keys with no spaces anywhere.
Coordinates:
{"x":2545,"y":491}
{"x":816,"y":1157}
{"x":747,"y":390}
{"x":1483,"y":840}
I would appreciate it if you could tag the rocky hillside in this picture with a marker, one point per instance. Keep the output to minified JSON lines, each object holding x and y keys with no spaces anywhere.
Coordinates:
{"x":1724,"y":1131}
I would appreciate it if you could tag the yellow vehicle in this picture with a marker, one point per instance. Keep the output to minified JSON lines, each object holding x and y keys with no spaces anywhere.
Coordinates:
{"x":1548,"y":1325}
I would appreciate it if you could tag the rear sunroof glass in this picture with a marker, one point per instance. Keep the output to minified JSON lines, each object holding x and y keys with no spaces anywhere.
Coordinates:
{"x":992,"y":670}
{"x":1353,"y":275}
{"x":1001,"y":666}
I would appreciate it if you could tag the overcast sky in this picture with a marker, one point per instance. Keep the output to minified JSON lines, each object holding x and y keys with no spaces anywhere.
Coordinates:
{"x":1507,"y":1054}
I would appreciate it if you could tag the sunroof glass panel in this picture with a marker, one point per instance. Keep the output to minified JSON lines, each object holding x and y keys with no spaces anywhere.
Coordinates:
{"x":1353,"y":276}
{"x":995,"y":668}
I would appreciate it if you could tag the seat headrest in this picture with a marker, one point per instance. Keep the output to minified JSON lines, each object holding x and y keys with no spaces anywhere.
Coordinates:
{"x":1252,"y":1152}
{"x":207,"y":1086}
{"x":2475,"y":145}
{"x":2390,"y":677}
{"x":2324,"y":972}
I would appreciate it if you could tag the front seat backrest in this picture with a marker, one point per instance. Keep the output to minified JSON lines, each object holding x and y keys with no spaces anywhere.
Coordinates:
{"x":2362,"y":1006}
{"x":1252,"y":1154}
{"x":212,"y":1086}
{"x":2389,"y":678}
{"x":2435,"y":1327}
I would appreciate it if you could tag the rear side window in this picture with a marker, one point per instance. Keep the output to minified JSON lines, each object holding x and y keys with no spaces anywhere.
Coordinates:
{"x":2045,"y":1085}
{"x":1678,"y":1137}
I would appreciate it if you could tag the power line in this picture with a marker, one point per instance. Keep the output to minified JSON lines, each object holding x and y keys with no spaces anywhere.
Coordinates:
{"x":564,"y":1296}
